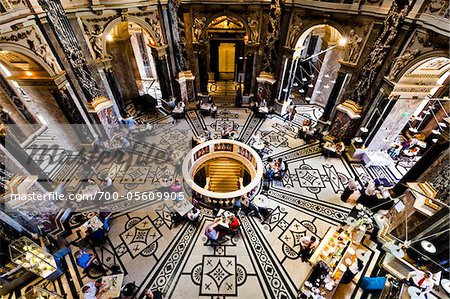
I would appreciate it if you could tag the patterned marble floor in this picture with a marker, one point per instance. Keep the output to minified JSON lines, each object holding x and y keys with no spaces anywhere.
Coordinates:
{"x":262,"y":261}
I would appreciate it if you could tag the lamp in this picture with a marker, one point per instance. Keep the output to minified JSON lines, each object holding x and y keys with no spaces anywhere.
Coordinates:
{"x":310,"y":85}
{"x":342,"y":41}
{"x":428,"y":246}
{"x":302,"y":90}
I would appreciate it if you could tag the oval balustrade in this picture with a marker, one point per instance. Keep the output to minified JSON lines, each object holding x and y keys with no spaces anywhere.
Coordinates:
{"x":205,"y":152}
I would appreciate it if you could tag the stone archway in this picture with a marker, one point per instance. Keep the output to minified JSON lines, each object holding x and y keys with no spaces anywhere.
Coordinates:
{"x":316,"y":63}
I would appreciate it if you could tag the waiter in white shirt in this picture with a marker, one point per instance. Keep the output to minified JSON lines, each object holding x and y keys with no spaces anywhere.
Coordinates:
{"x":422,"y":280}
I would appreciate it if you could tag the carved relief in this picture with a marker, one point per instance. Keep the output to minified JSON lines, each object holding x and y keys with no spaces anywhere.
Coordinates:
{"x":437,"y":7}
{"x":379,"y":52}
{"x":96,"y":39}
{"x":199,"y":24}
{"x":294,"y":34}
{"x":152,"y":18}
{"x":402,"y":61}
{"x":31,"y":39}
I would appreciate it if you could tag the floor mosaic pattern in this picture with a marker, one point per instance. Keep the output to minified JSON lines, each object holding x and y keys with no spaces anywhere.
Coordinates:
{"x":261,"y":261}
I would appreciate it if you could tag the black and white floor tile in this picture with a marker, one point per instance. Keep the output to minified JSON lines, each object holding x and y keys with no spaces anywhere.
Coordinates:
{"x":261,"y":261}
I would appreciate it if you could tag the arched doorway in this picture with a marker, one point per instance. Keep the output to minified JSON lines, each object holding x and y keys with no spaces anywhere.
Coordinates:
{"x":411,"y":119}
{"x":131,"y":48}
{"x":316,"y":64}
{"x":32,"y":83}
{"x":227,"y":36}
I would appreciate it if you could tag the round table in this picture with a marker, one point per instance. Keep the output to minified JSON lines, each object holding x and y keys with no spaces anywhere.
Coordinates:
{"x":165,"y":184}
{"x":260,"y":200}
{"x":415,"y":293}
{"x":258,"y":145}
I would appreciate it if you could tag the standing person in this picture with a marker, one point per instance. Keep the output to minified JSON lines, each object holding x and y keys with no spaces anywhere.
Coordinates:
{"x":154,"y":294}
{"x":289,"y":108}
{"x":351,"y":187}
{"x":307,"y":244}
{"x":422,"y":280}
{"x":292,"y":115}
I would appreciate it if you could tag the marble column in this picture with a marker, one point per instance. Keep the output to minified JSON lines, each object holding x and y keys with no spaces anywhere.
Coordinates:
{"x":265,"y":83}
{"x":335,"y":94}
{"x":66,"y":37}
{"x":187,"y":86}
{"x":11,"y":147}
{"x":160,"y":57}
{"x":393,"y":123}
{"x":425,"y":162}
{"x":327,"y":76}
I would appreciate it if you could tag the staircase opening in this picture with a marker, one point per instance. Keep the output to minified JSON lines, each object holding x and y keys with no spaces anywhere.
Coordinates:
{"x":222,"y":175}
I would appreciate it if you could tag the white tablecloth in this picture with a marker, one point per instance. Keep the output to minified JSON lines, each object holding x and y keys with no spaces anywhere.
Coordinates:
{"x":377,"y":159}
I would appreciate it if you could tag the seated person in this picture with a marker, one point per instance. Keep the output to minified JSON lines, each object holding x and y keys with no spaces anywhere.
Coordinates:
{"x":210,"y":100}
{"x":225,"y":133}
{"x":233,"y":223}
{"x":256,"y":137}
{"x":422,"y":280}
{"x":84,"y":259}
{"x":96,"y":237}
{"x":107,"y":185}
{"x":269,"y":172}
{"x":308,"y":244}
{"x":198,"y":104}
{"x":213,"y":111}
{"x":94,"y":290}
{"x":194,"y":214}
{"x":104,"y":216}
{"x":340,"y":147}
{"x":154,"y":294}
{"x":212,"y":233}
{"x":176,"y":186}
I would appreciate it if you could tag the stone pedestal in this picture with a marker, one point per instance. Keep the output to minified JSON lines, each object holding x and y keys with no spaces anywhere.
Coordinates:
{"x":187,"y":87}
{"x":345,"y":119}
{"x":102,"y":109}
{"x":265,"y":86}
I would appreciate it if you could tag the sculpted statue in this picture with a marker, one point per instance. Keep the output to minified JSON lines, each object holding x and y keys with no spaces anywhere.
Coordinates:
{"x":199,"y":24}
{"x":354,"y":41}
{"x":254,"y":34}
{"x":96,"y":40}
{"x":401,"y":61}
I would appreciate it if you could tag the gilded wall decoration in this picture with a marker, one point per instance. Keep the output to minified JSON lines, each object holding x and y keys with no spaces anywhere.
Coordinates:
{"x":31,"y":39}
{"x":152,"y":18}
{"x":437,"y":7}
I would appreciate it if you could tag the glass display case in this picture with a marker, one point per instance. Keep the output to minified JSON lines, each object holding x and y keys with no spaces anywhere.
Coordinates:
{"x":32,"y":257}
{"x":40,"y":293}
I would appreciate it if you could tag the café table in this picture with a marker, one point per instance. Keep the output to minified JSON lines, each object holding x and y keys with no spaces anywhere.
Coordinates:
{"x":415,"y":293}
{"x":261,"y":201}
{"x":329,"y":147}
{"x":114,"y":285}
{"x":94,"y":223}
{"x":258,"y":145}
{"x":223,"y":216}
{"x":90,"y":190}
{"x":182,"y":207}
